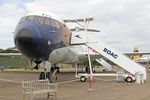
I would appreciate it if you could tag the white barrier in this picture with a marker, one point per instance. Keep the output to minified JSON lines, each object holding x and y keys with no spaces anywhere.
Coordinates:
{"x":38,"y":86}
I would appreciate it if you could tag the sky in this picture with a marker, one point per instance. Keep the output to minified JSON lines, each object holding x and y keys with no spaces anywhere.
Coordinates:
{"x":124,"y":24}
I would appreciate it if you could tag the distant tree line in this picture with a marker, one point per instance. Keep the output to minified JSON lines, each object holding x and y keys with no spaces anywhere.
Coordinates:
{"x":1,"y":49}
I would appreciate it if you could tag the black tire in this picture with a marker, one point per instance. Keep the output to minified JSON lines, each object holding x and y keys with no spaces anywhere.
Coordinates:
{"x":83,"y":78}
{"x":129,"y":79}
{"x":104,"y":70}
{"x":42,"y":76}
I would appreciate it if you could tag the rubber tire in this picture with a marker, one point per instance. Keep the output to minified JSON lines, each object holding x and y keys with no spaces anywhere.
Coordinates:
{"x":104,"y":70}
{"x":83,"y":78}
{"x":131,"y":80}
{"x":42,"y":76}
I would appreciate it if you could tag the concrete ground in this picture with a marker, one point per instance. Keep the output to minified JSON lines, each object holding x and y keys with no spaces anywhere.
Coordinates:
{"x":102,"y":90}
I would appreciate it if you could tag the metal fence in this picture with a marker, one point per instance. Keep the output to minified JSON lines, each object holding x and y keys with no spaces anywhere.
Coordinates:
{"x":38,"y":86}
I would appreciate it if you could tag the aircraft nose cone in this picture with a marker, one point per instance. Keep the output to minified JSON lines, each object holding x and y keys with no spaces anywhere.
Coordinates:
{"x":23,"y":37}
{"x":23,"y":41}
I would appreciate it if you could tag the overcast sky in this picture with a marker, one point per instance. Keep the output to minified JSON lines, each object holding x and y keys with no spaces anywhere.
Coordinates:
{"x":124,"y":24}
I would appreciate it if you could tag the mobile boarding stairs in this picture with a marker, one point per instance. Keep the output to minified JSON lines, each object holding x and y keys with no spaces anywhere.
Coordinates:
{"x":81,"y":36}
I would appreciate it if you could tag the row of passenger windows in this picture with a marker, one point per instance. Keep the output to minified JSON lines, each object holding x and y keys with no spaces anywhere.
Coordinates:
{"x":42,"y":20}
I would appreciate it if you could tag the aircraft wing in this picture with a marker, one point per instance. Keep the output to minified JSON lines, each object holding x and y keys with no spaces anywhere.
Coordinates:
{"x":78,"y":20}
{"x":81,"y":29}
{"x":137,"y":53}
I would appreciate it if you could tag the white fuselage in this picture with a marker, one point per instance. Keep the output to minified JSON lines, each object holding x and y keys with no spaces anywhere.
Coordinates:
{"x":71,"y":54}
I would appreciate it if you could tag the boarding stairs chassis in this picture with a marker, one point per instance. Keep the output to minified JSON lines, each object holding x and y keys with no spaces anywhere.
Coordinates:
{"x":120,"y":76}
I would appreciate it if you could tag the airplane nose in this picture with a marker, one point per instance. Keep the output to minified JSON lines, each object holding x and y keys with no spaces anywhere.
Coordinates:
{"x":23,"y":37}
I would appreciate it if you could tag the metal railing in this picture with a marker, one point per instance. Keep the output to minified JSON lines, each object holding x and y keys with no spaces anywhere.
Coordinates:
{"x":38,"y":86}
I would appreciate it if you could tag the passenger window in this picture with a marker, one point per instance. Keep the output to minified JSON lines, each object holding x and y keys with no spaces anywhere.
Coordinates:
{"x":57,"y":24}
{"x":53,"y":23}
{"x":30,"y":18}
{"x":22,"y":20}
{"x":39,"y":19}
{"x":47,"y":21}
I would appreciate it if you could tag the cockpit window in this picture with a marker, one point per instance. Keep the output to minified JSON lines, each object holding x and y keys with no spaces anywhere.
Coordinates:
{"x":57,"y":24}
{"x":30,"y":18}
{"x":53,"y":23}
{"x":47,"y":21}
{"x":39,"y":19}
{"x":22,"y":20}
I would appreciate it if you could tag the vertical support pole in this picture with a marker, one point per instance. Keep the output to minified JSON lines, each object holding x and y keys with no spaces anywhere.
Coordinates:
{"x":86,"y":22}
{"x":90,"y":63}
{"x":90,"y":82}
{"x":91,"y":73}
{"x":86,"y":27}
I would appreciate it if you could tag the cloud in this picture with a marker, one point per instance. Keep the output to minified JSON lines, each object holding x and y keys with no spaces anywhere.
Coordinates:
{"x":124,"y":24}
{"x":10,"y":14}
